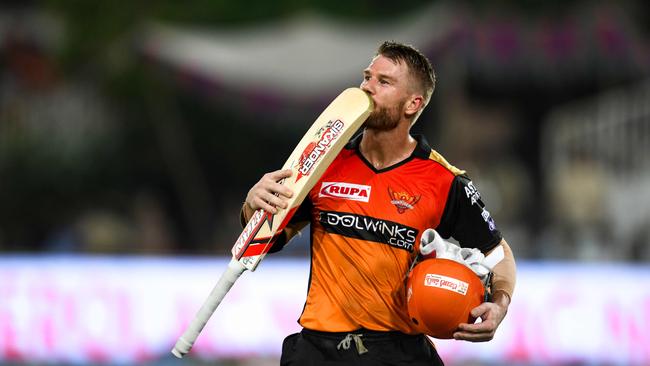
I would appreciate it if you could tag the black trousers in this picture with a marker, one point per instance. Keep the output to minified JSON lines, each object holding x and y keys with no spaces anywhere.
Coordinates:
{"x":312,"y":348}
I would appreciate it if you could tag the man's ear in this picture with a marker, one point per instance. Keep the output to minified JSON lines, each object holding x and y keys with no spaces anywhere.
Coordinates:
{"x":414,"y":105}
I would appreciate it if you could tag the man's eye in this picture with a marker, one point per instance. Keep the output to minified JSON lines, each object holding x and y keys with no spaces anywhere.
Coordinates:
{"x":366,"y":77}
{"x":382,"y":81}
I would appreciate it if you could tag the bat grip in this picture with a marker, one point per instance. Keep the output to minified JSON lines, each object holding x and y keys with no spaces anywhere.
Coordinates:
{"x":228,"y":278}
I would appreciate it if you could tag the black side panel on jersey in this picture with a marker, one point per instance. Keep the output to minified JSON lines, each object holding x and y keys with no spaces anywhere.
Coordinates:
{"x":466,"y":218}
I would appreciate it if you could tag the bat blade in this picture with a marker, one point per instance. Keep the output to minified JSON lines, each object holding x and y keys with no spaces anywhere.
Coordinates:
{"x":309,"y":160}
{"x":312,"y":155}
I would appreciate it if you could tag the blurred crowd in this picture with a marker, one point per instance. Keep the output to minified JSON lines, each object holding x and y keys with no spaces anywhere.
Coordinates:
{"x":110,"y":151}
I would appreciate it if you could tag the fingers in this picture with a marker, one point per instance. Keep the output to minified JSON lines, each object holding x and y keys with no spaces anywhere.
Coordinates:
{"x":272,"y":180}
{"x":477,"y":328}
{"x":478,"y":332}
{"x":481,"y":309}
{"x":258,"y":203}
{"x":272,"y":200}
{"x":474,"y":337}
{"x":277,"y":175}
{"x":483,"y":331}
{"x":269,"y":194}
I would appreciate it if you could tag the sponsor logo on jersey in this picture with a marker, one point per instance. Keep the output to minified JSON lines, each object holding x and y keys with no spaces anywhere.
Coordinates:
{"x":402,"y":200}
{"x":316,"y":149}
{"x":488,"y":219}
{"x":348,"y":191}
{"x":447,"y":283}
{"x":369,"y":228}
{"x":472,"y":193}
{"x":474,"y":197}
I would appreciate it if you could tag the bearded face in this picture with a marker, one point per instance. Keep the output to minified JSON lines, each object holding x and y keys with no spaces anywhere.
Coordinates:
{"x":384,"y":118}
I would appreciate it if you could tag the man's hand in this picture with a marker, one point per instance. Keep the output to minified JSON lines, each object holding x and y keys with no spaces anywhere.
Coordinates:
{"x":491,"y":315}
{"x":268,"y":194}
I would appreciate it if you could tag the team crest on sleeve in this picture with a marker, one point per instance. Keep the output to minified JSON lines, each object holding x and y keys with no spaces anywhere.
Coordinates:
{"x":402,"y":200}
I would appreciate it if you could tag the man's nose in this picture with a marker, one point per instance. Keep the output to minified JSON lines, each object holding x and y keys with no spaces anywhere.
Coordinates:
{"x":367,"y":87}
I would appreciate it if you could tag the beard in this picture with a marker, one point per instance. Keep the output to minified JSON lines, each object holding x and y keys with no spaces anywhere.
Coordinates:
{"x":383,"y":118}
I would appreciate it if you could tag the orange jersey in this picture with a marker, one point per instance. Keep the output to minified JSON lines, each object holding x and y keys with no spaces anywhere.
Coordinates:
{"x":365,"y":233}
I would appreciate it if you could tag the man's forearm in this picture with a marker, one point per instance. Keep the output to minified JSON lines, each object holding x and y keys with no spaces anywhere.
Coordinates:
{"x":504,"y":277}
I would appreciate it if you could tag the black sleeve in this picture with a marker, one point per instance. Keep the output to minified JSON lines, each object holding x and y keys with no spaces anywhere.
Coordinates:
{"x":297,"y":222}
{"x":466,"y":218}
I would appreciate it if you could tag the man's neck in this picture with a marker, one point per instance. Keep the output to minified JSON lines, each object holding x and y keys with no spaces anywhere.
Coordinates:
{"x":386,"y":148}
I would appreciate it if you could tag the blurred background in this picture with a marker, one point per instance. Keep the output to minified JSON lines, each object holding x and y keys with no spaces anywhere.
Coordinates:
{"x":130,"y":133}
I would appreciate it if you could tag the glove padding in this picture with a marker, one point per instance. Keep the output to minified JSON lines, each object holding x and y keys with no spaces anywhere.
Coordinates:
{"x":432,"y":244}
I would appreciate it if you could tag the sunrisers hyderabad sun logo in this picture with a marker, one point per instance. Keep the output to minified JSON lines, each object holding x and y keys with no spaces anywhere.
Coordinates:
{"x":402,"y":200}
{"x":316,"y":149}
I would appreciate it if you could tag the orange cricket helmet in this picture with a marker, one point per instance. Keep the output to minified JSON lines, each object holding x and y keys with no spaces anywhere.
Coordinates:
{"x":440,"y":294}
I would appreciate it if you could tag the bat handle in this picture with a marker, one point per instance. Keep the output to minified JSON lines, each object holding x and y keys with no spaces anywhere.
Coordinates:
{"x":228,"y":278}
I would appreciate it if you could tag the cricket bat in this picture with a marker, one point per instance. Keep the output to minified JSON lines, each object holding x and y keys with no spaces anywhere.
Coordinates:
{"x":309,"y":160}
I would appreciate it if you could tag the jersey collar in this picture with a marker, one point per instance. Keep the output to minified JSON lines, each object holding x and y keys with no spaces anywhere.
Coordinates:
{"x":422,"y":150}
